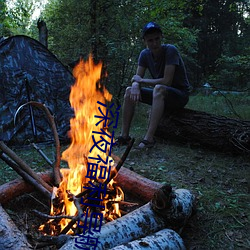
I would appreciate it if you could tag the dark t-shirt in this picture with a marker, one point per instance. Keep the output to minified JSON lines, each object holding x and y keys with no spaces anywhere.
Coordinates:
{"x":171,"y":56}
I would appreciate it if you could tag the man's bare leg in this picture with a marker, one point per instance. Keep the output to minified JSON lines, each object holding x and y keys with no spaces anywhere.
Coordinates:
{"x":156,"y":113}
{"x":128,"y":110}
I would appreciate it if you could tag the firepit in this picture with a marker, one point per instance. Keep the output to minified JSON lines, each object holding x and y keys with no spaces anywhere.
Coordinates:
{"x":159,"y":210}
{"x":85,"y":199}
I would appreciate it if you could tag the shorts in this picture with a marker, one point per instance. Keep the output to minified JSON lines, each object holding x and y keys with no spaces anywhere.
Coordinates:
{"x":174,"y":100}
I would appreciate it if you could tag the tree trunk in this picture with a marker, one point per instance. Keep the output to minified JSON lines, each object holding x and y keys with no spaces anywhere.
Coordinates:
{"x":10,"y":237}
{"x":43,"y":32}
{"x":212,"y":131}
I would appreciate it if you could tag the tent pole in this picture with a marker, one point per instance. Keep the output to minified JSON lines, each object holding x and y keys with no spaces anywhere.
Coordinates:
{"x":33,"y":125}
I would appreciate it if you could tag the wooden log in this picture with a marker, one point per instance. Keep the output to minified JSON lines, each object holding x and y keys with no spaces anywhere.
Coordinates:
{"x":140,"y":187}
{"x":10,"y":237}
{"x":212,"y":131}
{"x":131,"y":182}
{"x":17,"y":187}
{"x":150,"y":218}
{"x":161,"y":240}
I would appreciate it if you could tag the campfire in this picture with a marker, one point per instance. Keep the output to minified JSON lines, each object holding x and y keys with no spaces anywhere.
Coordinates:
{"x":87,"y":199}
{"x":90,"y":167}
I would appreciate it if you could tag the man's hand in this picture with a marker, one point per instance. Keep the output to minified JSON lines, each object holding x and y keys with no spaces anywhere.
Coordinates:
{"x":136,"y":78}
{"x":135,"y":93}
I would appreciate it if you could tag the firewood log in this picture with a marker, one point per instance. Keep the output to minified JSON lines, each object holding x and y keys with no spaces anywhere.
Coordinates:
{"x":137,"y":185}
{"x":131,"y":182}
{"x":161,"y":240}
{"x":18,"y":187}
{"x":165,"y":209}
{"x":10,"y":237}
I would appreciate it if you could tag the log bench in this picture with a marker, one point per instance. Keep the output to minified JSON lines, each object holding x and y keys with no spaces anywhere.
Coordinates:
{"x":211,"y":131}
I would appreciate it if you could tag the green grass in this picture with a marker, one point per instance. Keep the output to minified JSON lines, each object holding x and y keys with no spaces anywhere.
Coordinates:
{"x":233,"y":106}
{"x":220,"y":181}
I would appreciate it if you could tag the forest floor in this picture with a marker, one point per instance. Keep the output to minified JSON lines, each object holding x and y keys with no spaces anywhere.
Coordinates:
{"x":219,"y":180}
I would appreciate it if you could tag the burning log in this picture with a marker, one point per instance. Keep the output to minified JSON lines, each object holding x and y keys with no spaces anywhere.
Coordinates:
{"x":165,"y":210}
{"x":163,"y":239}
{"x":10,"y":237}
{"x":216,"y":132}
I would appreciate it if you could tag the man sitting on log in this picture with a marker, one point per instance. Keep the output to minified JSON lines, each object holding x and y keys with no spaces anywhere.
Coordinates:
{"x":168,"y":89}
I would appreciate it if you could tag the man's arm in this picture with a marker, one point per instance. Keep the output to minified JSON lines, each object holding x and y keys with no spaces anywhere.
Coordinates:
{"x":135,"y":93}
{"x":166,"y":80}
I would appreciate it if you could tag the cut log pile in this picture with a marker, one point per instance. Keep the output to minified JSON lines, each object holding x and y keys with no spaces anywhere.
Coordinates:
{"x":212,"y":131}
{"x":167,"y":209}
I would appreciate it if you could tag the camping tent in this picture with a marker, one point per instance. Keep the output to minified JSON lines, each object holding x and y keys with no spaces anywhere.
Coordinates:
{"x":30,"y":72}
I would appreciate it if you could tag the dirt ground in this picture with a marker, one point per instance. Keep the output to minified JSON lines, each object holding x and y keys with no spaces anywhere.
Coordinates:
{"x":220,"y":182}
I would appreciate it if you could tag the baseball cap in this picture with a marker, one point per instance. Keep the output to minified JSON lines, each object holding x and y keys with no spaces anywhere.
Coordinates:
{"x":150,"y":26}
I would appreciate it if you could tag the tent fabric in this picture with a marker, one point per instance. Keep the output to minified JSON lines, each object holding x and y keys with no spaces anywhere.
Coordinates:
{"x":30,"y":72}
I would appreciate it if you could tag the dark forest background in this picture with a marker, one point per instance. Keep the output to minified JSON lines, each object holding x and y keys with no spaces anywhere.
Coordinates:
{"x":212,"y":35}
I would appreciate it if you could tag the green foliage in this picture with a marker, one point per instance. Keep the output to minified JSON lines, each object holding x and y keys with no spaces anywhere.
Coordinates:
{"x":233,"y":72}
{"x":4,"y":19}
{"x":212,"y":36}
{"x":20,"y":16}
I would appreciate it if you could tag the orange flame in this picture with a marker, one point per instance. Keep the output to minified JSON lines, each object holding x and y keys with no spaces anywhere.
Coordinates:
{"x":83,"y":98}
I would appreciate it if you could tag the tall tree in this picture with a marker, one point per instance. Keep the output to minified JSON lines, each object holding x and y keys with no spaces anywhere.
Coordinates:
{"x":111,"y":30}
{"x":222,"y":30}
